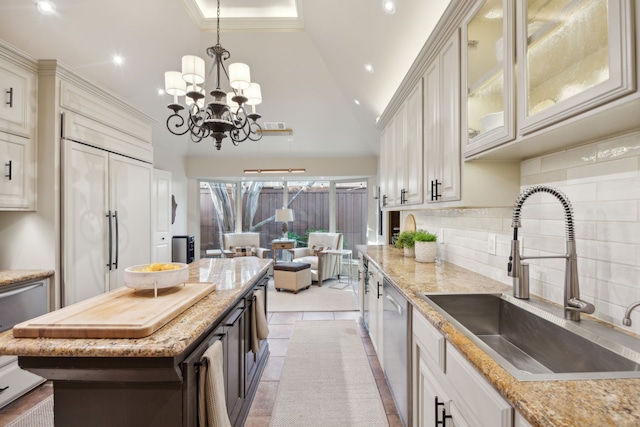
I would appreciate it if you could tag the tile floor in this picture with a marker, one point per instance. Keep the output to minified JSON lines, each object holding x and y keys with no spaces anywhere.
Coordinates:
{"x":281,"y":328}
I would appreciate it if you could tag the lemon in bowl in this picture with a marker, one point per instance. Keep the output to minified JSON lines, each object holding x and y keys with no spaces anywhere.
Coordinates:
{"x":156,"y":275}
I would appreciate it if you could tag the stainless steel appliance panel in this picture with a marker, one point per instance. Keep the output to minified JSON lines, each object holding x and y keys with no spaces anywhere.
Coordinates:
{"x":396,"y":327}
{"x":21,"y":303}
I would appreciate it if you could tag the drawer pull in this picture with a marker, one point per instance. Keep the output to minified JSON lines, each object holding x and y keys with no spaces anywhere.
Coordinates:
{"x":10,"y":101}
{"x":8,"y":165}
{"x":3,"y":388}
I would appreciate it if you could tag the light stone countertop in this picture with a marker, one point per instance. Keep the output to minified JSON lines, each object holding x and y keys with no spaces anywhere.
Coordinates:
{"x":232,"y":276}
{"x":580,"y":403}
{"x":11,"y":277}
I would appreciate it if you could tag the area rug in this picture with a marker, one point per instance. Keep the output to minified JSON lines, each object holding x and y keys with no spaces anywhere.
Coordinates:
{"x":326,"y":379}
{"x":323,"y":298}
{"x":40,"y":415}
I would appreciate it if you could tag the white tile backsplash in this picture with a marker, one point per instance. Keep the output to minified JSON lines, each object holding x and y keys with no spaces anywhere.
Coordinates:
{"x":602,"y":181}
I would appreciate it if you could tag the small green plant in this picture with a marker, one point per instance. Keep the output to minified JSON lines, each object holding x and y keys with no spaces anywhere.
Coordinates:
{"x":406,"y":239}
{"x":424,"y":236}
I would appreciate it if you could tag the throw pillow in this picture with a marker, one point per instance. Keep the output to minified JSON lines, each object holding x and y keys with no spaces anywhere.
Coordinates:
{"x":242,"y":251}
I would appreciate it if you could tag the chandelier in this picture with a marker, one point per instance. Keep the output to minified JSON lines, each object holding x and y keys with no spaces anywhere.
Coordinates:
{"x":223,"y":116}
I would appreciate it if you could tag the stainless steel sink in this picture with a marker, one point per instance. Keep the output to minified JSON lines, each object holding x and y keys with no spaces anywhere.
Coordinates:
{"x":532,"y":342}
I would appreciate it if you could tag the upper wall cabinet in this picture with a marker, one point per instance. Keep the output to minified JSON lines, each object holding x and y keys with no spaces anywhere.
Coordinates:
{"x":487,"y":76}
{"x":411,"y":192}
{"x":17,"y":110}
{"x":18,"y":91}
{"x":441,"y":124}
{"x":577,"y":54}
{"x":401,"y":146}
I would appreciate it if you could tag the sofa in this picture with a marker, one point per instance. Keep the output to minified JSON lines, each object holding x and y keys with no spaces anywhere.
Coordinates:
{"x":323,"y":264}
{"x":243,"y":244}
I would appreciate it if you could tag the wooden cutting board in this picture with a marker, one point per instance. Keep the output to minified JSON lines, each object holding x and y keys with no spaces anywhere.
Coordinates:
{"x":122,"y":313}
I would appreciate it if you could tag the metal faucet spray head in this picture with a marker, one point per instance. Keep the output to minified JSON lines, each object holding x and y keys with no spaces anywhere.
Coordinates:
{"x":573,"y":305}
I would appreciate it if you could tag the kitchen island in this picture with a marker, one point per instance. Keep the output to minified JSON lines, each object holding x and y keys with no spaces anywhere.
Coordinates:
{"x":152,"y":380}
{"x":603,"y":402}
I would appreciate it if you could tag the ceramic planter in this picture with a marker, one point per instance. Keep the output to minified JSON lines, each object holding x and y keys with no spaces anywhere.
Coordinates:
{"x":425,"y":251}
{"x":409,"y":252}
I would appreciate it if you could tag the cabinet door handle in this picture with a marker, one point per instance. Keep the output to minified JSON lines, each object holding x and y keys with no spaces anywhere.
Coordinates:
{"x":115,"y":215}
{"x":3,"y":388}
{"x":9,"y":167}
{"x":379,"y":288}
{"x":434,"y":190}
{"x":110,"y":240}
{"x":384,"y":200}
{"x":231,"y":322}
{"x":10,"y":101}
{"x":403,"y":196}
{"x":443,"y":412}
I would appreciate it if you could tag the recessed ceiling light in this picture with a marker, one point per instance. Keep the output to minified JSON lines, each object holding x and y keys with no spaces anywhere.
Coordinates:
{"x":368,"y":67}
{"x":118,"y":60}
{"x":45,"y":7}
{"x":356,"y":101}
{"x":389,"y":6}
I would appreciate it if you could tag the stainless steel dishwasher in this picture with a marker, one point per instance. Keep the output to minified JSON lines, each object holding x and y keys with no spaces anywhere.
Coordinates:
{"x":397,"y":357}
{"x":19,"y":302}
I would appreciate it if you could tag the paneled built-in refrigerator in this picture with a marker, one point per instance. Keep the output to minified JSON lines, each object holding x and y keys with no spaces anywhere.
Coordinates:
{"x":106,"y":219}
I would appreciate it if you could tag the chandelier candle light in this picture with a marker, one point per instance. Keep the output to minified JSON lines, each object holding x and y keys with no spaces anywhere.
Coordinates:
{"x":226,"y":113}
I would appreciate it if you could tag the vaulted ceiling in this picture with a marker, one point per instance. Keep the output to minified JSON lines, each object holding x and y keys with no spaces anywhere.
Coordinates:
{"x":307,"y":55}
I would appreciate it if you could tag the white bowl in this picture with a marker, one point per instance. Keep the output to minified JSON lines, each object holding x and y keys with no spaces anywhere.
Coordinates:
{"x":492,"y":121}
{"x":136,"y":279}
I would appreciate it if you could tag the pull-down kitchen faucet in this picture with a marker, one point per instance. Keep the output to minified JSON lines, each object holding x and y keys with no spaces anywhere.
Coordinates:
{"x":573,"y":306}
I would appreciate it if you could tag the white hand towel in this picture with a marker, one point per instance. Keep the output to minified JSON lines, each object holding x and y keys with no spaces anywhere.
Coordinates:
{"x":212,"y":405}
{"x":259,"y":326}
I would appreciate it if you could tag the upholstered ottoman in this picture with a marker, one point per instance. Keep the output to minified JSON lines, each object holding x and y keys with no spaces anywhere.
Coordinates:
{"x":292,"y":276}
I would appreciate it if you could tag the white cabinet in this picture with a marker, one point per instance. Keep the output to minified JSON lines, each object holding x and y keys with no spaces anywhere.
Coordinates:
{"x":401,"y":147}
{"x":434,"y":405}
{"x":412,"y":169}
{"x":161,"y":216}
{"x":18,"y":91}
{"x":15,"y":382}
{"x":388,"y":165}
{"x":375,"y":310}
{"x":441,"y":124}
{"x":17,"y":182}
{"x":488,"y":110}
{"x":17,"y":131}
{"x":576,"y":55}
{"x":106,"y":212}
{"x":447,"y":388}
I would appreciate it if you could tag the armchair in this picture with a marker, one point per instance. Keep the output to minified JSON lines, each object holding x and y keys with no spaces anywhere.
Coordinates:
{"x":323,"y":265}
{"x":243,"y":244}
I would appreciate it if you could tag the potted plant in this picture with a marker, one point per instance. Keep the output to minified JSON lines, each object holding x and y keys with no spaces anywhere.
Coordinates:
{"x":406,"y":241}
{"x":425,"y":246}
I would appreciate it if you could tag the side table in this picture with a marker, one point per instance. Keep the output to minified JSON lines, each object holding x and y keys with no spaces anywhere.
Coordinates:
{"x":342,"y":253}
{"x":281,"y":245}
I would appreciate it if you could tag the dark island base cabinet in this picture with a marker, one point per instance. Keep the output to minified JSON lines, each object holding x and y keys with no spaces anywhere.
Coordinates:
{"x":105,"y":392}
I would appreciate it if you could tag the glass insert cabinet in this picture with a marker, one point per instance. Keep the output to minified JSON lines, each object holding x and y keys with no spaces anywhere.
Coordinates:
{"x":562,"y":58}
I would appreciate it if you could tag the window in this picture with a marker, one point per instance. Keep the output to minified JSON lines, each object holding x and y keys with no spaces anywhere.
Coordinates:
{"x":311,"y":202}
{"x":217,"y":213}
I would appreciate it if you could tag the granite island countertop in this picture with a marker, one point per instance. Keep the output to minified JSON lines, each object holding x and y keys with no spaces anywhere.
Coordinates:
{"x":11,"y":277}
{"x":232,"y":276}
{"x":610,"y":402}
